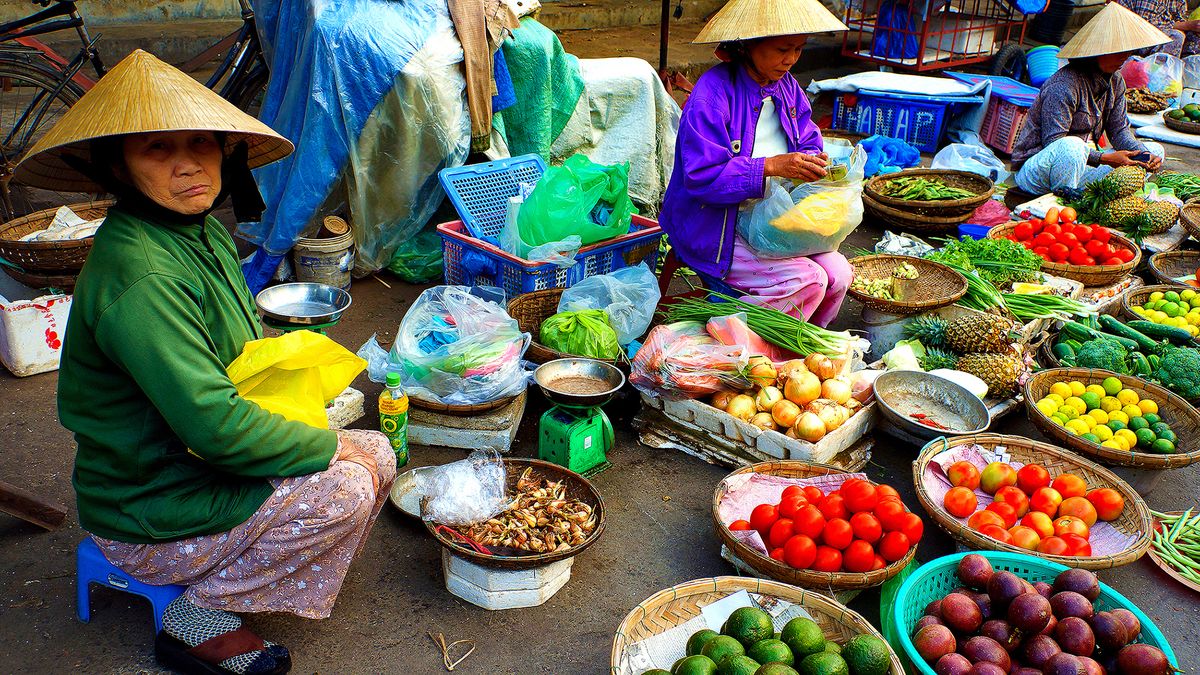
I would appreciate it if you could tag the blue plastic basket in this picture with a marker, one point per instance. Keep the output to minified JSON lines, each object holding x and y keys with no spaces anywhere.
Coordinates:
{"x":480,"y":192}
{"x":933,"y":580}
{"x":915,"y":119}
{"x":471,"y":262}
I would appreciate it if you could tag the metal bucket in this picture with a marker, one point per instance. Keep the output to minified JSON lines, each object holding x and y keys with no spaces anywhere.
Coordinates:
{"x":325,"y":261}
{"x":883,"y":330}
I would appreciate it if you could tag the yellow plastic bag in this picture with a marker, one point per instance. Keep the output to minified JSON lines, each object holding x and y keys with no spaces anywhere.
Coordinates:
{"x":295,"y":374}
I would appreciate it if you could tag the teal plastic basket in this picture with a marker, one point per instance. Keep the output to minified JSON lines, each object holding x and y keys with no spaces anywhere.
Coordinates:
{"x":933,"y":580}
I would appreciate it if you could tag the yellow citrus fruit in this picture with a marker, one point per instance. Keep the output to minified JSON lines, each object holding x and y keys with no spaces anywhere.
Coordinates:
{"x":1112,"y":443}
{"x":1118,"y":416}
{"x":1078,"y":426}
{"x":1111,"y":386}
{"x":1058,"y":400}
{"x":1077,"y":388}
{"x":1127,"y":397}
{"x":1067,"y":412}
{"x":1071,"y":431}
{"x":1078,"y":404}
{"x":1088,"y":421}
{"x":1132,"y":411}
{"x":1100,"y":416}
{"x":1127,"y":436}
{"x":1047,"y":407}
{"x":1148,"y":407}
{"x":1096,"y":389}
{"x":1061,"y":388}
{"x":1109,"y":404}
{"x":1102,"y":432}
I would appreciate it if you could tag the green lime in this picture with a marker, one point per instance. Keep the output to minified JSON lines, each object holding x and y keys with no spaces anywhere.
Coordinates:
{"x":776,"y":669}
{"x":657,"y":671}
{"x":867,"y":655}
{"x":694,"y":665}
{"x":1138,"y":423}
{"x":1152,"y":418}
{"x":1091,"y":400}
{"x":833,"y":647}
{"x":1167,"y":435}
{"x":1159,"y":428}
{"x":1171,"y":296}
{"x":1112,"y":386}
{"x":1059,"y":419}
{"x":804,"y":637}
{"x":737,"y":665}
{"x":1145,"y":438}
{"x":722,"y":646}
{"x":700,"y":638}
{"x":748,"y":625}
{"x":1090,"y":437}
{"x":1162,"y":446}
{"x":824,"y":664}
{"x":1116,"y":425}
{"x":770,"y":651}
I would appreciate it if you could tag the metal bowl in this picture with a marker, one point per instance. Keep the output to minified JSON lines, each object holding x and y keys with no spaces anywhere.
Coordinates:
{"x":902,"y":393}
{"x":405,"y":494}
{"x":303,"y":303}
{"x":562,"y":381}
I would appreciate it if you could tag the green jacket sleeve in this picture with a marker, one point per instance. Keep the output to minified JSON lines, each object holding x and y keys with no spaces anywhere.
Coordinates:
{"x":156,"y":333}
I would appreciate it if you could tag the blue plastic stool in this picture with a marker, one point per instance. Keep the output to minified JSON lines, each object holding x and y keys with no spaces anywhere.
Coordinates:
{"x":91,"y":567}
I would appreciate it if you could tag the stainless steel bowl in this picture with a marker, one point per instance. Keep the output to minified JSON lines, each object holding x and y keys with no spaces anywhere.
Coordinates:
{"x":903,"y":393}
{"x":579,"y":382}
{"x":303,"y":303}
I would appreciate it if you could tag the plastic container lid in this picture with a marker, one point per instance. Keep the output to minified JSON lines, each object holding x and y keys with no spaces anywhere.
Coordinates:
{"x":393,"y":380}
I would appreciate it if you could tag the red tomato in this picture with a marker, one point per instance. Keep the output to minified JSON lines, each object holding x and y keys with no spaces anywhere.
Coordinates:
{"x":996,"y":532}
{"x":1028,"y":244}
{"x":1077,"y":544}
{"x":1124,"y":254}
{"x":1069,"y":239}
{"x":739,"y":525}
{"x":792,"y":491}
{"x":1014,"y":497}
{"x":866,"y":527}
{"x":1005,"y":511}
{"x":809,"y":522}
{"x":913,"y":527}
{"x":1067,"y":215}
{"x":837,"y":534}
{"x":777,"y":553}
{"x":1094,"y":247}
{"x":894,"y":546}
{"x":1101,"y":234}
{"x":813,"y":494}
{"x":889,"y":514}
{"x":781,"y":531}
{"x":886,"y":492}
{"x":827,"y":560}
{"x":1083,"y":233}
{"x":1054,"y":546}
{"x":790,"y":505}
{"x":1052,"y":227}
{"x":1023,"y":231}
{"x":1077,"y":256}
{"x":1058,"y":252}
{"x":960,"y":502}
{"x":763,"y":517}
{"x":1113,"y":261}
{"x":879,"y":563}
{"x":1042,"y":251}
{"x":859,"y":556}
{"x":799,"y":552}
{"x":833,"y":506}
{"x":860,"y":496}
{"x":1037,"y":223}
{"x":1031,"y":477}
{"x":1044,"y":239}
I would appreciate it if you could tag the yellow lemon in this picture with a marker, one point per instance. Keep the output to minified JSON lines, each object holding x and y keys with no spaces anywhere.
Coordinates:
{"x":1127,"y":436}
{"x":1102,"y":432}
{"x":1132,"y":411}
{"x":1118,"y":416}
{"x":1148,"y":407}
{"x":1071,"y":431}
{"x":1058,"y":400}
{"x":1127,"y":397}
{"x":1078,"y":404}
{"x":1100,"y":416}
{"x":1120,"y":441}
{"x":1062,"y":389}
{"x":1077,"y":388}
{"x":1114,"y":444}
{"x":1087,"y":421}
{"x":1067,"y":412}
{"x":1096,"y":389}
{"x":1110,"y":403}
{"x":1078,"y":426}
{"x":1047,"y":407}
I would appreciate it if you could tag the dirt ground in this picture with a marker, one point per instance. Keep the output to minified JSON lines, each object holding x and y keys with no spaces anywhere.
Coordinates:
{"x":658,"y":533}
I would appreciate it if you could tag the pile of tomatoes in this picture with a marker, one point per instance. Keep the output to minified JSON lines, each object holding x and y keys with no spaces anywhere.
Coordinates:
{"x":1029,"y":509}
{"x":1058,"y":238}
{"x":859,"y":527}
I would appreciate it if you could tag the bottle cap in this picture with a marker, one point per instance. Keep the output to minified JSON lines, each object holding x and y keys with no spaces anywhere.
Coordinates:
{"x":393,"y":379}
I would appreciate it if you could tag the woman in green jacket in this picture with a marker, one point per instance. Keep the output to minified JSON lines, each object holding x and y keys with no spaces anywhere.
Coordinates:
{"x":179,"y":479}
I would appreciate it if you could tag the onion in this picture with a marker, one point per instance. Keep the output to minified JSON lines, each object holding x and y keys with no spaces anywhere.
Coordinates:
{"x":742,"y":407}
{"x":852,"y":406}
{"x":791,"y":433}
{"x":767,"y":398}
{"x":721,"y":399}
{"x":820,"y":365}
{"x":802,"y":389}
{"x":789,"y":369}
{"x":785,"y":413}
{"x":762,"y":371}
{"x":839,"y":365}
{"x":763,"y":420}
{"x":836,"y":389}
{"x":810,"y":427}
{"x":831,"y":417}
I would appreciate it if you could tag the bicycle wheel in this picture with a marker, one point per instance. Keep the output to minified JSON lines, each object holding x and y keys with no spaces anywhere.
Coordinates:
{"x":249,"y":96}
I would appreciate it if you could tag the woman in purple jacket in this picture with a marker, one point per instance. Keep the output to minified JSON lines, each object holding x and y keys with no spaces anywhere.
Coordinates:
{"x":748,"y":120}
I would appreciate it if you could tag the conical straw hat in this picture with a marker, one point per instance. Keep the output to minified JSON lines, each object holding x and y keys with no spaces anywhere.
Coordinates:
{"x":141,"y":94}
{"x":1113,"y":30}
{"x":749,"y":19}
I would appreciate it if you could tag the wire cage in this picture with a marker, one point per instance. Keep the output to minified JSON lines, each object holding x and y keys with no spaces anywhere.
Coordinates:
{"x":926,"y":35}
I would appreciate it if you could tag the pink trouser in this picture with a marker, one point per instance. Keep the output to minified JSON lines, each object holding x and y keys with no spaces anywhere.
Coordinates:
{"x":815,"y":285}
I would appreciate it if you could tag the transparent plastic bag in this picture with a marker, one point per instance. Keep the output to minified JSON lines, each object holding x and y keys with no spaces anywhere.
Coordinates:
{"x":681,"y":360}
{"x":583,"y":333}
{"x":628,"y":296}
{"x":457,"y":345}
{"x":1164,"y":73}
{"x":578,"y":198}
{"x":561,"y":253}
{"x":974,"y":158}
{"x":811,"y":218}
{"x":465,"y":492}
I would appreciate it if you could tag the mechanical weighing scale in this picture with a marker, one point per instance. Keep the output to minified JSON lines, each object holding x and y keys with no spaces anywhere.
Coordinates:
{"x":302,"y":306}
{"x":576,"y":433}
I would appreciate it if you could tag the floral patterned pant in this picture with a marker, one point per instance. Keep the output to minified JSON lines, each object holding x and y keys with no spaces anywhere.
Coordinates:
{"x":290,"y":556}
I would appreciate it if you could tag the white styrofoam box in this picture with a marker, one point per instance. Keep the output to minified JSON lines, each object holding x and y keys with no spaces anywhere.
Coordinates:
{"x":31,"y":329}
{"x":771,"y":443}
{"x":346,"y":409}
{"x":961,"y":34}
{"x":494,"y":429}
{"x":494,"y":589}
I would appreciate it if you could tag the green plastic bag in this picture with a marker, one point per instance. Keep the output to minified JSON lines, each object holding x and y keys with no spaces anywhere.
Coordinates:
{"x":584,"y":333}
{"x":580,"y":197}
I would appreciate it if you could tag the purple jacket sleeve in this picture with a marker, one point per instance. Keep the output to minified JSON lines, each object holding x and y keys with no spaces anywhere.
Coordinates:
{"x":811,"y":142}
{"x":712,"y":172}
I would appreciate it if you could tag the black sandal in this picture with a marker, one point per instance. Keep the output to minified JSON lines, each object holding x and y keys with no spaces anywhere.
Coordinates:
{"x":203,"y":659}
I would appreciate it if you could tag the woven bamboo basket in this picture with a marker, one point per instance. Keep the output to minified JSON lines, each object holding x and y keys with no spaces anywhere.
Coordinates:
{"x":1135,"y":519}
{"x":64,"y":281}
{"x":43,"y":257}
{"x":913,"y":222}
{"x":460,"y":410}
{"x":981,"y":186}
{"x":1168,"y":265}
{"x":936,"y":286}
{"x":530,"y":310}
{"x":1184,"y":126}
{"x":833,"y":581}
{"x":1189,"y":217}
{"x":1138,"y":296}
{"x":1095,"y":275}
{"x":1183,"y":418}
{"x":671,"y":607}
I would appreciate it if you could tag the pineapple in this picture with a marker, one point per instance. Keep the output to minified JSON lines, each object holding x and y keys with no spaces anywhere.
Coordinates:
{"x":1124,"y":209}
{"x":938,"y":358}
{"x":1129,"y":179}
{"x":1000,"y":372}
{"x":929,"y":330}
{"x":1162,"y":216}
{"x":979,"y":333}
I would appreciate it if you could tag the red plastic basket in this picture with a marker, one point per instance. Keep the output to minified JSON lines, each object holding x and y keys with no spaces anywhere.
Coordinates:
{"x":1002,"y":124}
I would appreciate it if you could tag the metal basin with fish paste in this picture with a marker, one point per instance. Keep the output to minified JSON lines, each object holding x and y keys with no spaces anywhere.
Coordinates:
{"x":927,"y":406}
{"x":579,"y":383}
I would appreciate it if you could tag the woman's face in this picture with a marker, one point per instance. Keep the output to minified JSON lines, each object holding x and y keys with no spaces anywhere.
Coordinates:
{"x":773,"y":57}
{"x":1111,"y":63}
{"x":178,"y":170}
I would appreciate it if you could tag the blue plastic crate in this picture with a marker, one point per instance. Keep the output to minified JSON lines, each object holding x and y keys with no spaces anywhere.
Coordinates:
{"x":917,"y":120}
{"x":468,"y":261}
{"x":480,"y":192}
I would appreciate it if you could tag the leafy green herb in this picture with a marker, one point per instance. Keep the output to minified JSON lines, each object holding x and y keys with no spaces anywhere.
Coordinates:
{"x":1000,"y":262}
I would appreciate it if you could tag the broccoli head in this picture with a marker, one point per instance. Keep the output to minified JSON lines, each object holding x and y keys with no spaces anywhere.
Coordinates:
{"x":1106,"y":354}
{"x":1179,"y":371}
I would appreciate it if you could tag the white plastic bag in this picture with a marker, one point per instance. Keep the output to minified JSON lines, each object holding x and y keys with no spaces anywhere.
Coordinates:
{"x":1191,"y":72}
{"x":812,"y":218}
{"x":974,"y":158}
{"x":465,"y":492}
{"x":628,"y":296}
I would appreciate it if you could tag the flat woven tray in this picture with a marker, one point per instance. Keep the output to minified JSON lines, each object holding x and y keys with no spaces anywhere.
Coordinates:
{"x":936,"y":286}
{"x":981,"y":186}
{"x":49,"y":258}
{"x":1169,"y":265}
{"x":1186,"y":127}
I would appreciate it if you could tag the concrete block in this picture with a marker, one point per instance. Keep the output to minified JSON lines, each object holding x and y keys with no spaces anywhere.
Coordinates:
{"x":495,"y":429}
{"x":495,"y":589}
{"x":346,"y":409}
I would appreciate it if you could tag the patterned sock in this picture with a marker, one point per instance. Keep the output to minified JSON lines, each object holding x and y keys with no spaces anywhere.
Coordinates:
{"x":193,"y":625}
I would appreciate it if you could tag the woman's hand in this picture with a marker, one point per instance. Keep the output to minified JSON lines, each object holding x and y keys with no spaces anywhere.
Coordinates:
{"x":1126,"y":158}
{"x":350,"y":451}
{"x":1155,"y":163}
{"x":797,"y":166}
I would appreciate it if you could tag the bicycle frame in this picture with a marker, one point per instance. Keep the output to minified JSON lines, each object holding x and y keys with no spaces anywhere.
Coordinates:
{"x":24,"y":30}
{"x":238,"y":63}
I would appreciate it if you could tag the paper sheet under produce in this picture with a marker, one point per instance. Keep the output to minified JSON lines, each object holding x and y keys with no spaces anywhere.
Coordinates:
{"x":1104,"y":538}
{"x":746,"y":491}
{"x":664,"y":649}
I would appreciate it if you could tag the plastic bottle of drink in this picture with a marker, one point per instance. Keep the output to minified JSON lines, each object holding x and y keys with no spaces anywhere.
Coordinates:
{"x":393,"y":417}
